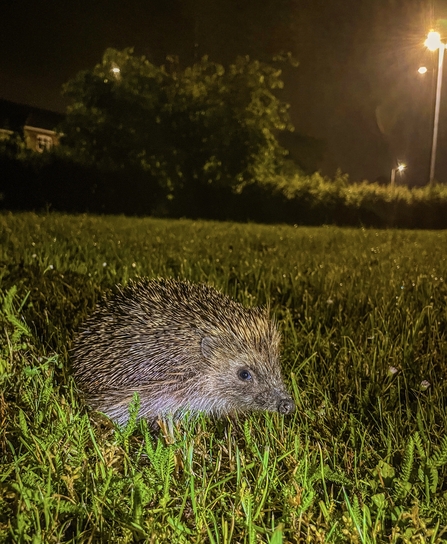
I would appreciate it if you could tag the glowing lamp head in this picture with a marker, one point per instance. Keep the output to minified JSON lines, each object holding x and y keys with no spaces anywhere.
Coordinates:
{"x":401,"y":167}
{"x":422,"y":70}
{"x":433,"y":41}
{"x":116,"y":70}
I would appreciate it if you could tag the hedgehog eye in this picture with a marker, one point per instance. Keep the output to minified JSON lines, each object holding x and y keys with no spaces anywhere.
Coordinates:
{"x":244,"y":375}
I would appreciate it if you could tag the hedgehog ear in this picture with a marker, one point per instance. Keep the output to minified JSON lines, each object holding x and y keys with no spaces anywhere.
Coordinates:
{"x":208,"y":345}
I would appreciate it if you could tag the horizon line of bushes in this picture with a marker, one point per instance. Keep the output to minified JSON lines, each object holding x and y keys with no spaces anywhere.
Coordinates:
{"x":55,"y":182}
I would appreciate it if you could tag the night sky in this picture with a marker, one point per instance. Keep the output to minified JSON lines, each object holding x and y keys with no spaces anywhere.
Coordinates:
{"x":356,"y":90}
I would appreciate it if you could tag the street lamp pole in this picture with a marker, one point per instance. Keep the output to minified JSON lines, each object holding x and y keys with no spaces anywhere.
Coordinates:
{"x":436,"y":121}
{"x":433,"y":42}
{"x":393,"y":176}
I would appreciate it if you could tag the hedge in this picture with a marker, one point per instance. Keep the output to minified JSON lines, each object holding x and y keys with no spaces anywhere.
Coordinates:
{"x":60,"y":184}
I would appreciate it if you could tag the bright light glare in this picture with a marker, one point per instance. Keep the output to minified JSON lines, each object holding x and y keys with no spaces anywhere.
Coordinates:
{"x":116,"y":70}
{"x":422,"y":70}
{"x":401,"y":167}
{"x":433,"y":41}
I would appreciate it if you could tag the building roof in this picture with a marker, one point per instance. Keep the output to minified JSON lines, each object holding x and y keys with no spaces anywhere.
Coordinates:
{"x":15,"y":116}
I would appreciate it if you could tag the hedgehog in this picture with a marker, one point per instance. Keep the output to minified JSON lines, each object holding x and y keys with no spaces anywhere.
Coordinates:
{"x":185,"y":348}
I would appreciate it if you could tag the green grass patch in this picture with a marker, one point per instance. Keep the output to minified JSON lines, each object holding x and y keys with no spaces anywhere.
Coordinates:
{"x":364,"y":457}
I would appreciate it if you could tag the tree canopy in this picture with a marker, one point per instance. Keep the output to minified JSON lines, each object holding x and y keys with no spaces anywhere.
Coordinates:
{"x":205,"y":123}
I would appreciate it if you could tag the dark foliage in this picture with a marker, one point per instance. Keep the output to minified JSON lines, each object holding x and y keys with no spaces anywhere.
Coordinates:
{"x":59,"y":183}
{"x":205,"y":123}
{"x":65,"y":185}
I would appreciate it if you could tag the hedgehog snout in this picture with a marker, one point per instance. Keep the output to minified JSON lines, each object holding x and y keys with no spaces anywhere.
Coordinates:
{"x":275,"y":400}
{"x":286,"y":406}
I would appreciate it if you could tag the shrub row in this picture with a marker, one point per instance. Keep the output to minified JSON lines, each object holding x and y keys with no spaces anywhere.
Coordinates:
{"x":62,"y":185}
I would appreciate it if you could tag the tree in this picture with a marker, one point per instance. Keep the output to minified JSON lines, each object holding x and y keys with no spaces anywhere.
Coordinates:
{"x":204,"y":124}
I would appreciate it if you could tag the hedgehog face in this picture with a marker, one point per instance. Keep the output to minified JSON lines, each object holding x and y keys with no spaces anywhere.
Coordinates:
{"x":252,"y":389}
{"x":249,"y":380}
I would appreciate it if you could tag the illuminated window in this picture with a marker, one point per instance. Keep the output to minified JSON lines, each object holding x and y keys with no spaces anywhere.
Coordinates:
{"x":43,"y":143}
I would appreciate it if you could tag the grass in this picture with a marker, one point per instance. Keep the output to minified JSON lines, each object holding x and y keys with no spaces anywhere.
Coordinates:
{"x":364,"y":457}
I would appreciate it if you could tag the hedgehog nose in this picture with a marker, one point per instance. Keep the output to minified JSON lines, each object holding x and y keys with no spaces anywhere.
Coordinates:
{"x":286,"y":406}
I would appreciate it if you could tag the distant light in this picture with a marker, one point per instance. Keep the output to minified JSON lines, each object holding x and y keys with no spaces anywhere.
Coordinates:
{"x":422,"y":70}
{"x":401,"y":167}
{"x":433,"y":41}
{"x":116,"y":70}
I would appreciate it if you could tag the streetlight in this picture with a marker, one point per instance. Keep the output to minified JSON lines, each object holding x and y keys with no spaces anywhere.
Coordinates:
{"x":400,"y":168}
{"x":434,"y":42}
{"x":116,"y":71}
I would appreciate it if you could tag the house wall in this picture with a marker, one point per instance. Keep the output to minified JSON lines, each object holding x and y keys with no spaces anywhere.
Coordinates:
{"x":5,"y":133}
{"x":39,"y":139}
